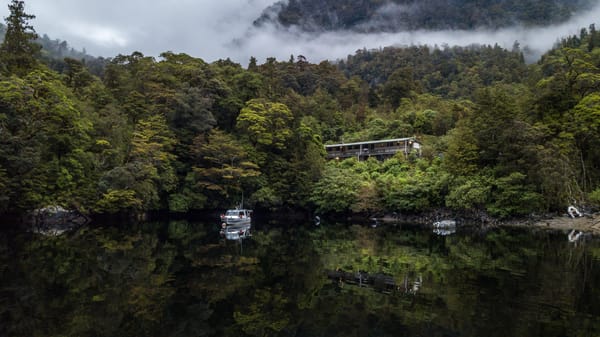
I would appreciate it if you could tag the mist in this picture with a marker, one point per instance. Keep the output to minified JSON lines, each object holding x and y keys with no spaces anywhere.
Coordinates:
{"x":534,"y":41}
{"x":214,"y":30}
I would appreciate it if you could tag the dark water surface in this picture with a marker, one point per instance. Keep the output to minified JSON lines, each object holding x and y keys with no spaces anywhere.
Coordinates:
{"x":180,"y":278}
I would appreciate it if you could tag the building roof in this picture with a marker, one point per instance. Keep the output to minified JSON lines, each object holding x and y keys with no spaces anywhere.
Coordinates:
{"x":373,"y":142}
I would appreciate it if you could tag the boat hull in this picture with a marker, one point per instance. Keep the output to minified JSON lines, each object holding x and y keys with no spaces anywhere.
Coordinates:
{"x":237,"y":217}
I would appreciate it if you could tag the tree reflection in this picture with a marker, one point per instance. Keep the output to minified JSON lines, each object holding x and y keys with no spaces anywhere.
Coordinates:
{"x":179,"y":279}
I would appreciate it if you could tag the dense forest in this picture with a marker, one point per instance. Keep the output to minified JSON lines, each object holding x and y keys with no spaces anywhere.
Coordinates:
{"x":400,"y":15}
{"x":54,"y":51}
{"x":175,"y":133}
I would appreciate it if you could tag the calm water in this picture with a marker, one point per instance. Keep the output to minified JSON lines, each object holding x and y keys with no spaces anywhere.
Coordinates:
{"x":179,"y":278}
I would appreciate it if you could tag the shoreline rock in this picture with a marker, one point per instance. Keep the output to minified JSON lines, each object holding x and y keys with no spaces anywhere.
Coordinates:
{"x":589,"y":223}
{"x":55,"y":220}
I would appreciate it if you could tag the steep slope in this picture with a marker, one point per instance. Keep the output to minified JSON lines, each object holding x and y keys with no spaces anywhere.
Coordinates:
{"x":401,"y":15}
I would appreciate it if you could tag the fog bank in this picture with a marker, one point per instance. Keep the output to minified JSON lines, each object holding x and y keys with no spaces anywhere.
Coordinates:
{"x":221,"y":29}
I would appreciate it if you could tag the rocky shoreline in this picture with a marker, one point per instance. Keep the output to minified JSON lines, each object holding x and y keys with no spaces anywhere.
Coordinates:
{"x":588,"y":223}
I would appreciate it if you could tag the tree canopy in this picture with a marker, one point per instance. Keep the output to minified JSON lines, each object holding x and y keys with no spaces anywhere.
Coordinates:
{"x":176,"y":133}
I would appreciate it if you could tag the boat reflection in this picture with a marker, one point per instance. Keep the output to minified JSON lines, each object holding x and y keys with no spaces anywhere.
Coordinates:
{"x":444,"y":227}
{"x":444,"y":231}
{"x":235,"y":232}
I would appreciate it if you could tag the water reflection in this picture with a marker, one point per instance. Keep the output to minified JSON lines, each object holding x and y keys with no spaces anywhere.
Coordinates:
{"x":444,"y":227}
{"x":182,"y":278}
{"x":444,"y":231}
{"x":381,"y":282}
{"x":236,"y":232}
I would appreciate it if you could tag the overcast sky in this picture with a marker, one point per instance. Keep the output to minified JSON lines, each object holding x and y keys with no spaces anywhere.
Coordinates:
{"x":214,"y":29}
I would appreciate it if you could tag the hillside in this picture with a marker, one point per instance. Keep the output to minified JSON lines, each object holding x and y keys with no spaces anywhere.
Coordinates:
{"x":401,"y":15}
{"x":54,"y":51}
{"x":178,"y":134}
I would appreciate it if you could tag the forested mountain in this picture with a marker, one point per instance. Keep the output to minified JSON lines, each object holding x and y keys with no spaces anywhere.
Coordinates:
{"x":450,"y":72}
{"x":401,"y":15}
{"x":54,"y":51}
{"x":177,"y":133}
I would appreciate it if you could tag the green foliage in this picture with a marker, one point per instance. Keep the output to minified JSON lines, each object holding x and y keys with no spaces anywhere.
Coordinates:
{"x":586,"y":130}
{"x":450,"y":72}
{"x":462,"y":153}
{"x":114,"y":201}
{"x":265,"y":123}
{"x":432,"y":115}
{"x":594,"y":197}
{"x":399,"y":85}
{"x":177,"y":133}
{"x":266,"y":197}
{"x":179,"y":203}
{"x":149,"y":167}
{"x":337,"y":190}
{"x":44,"y":139}
{"x":413,"y":188}
{"x":512,"y":197}
{"x":468,"y":193}
{"x":372,"y":187}
{"x":222,"y":168}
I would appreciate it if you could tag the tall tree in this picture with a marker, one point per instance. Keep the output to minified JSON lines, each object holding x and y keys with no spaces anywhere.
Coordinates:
{"x":43,"y":138}
{"x":266,"y":123}
{"x":144,"y":181}
{"x":18,"y":51}
{"x":223,"y":168}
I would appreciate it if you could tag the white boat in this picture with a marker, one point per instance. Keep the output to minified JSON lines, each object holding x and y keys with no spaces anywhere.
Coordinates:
{"x":238,"y":216}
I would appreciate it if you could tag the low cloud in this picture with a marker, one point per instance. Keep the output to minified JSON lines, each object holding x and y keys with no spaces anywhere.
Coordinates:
{"x":337,"y":45}
{"x":102,"y":36}
{"x":220,"y":29}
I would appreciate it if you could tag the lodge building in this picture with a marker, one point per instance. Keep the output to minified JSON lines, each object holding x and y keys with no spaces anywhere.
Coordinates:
{"x":379,"y":149}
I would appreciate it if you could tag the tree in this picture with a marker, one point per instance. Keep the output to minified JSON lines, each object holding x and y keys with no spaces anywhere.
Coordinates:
{"x":513,"y":195}
{"x":338,"y":189}
{"x":586,"y":129}
{"x":148,"y":170}
{"x":461,"y":155}
{"x":399,"y":85}
{"x":571,"y":75}
{"x":266,"y":123}
{"x":78,"y":77}
{"x":223,"y":166}
{"x":467,"y":193}
{"x":43,"y":138}
{"x":191,"y":114}
{"x":18,"y":51}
